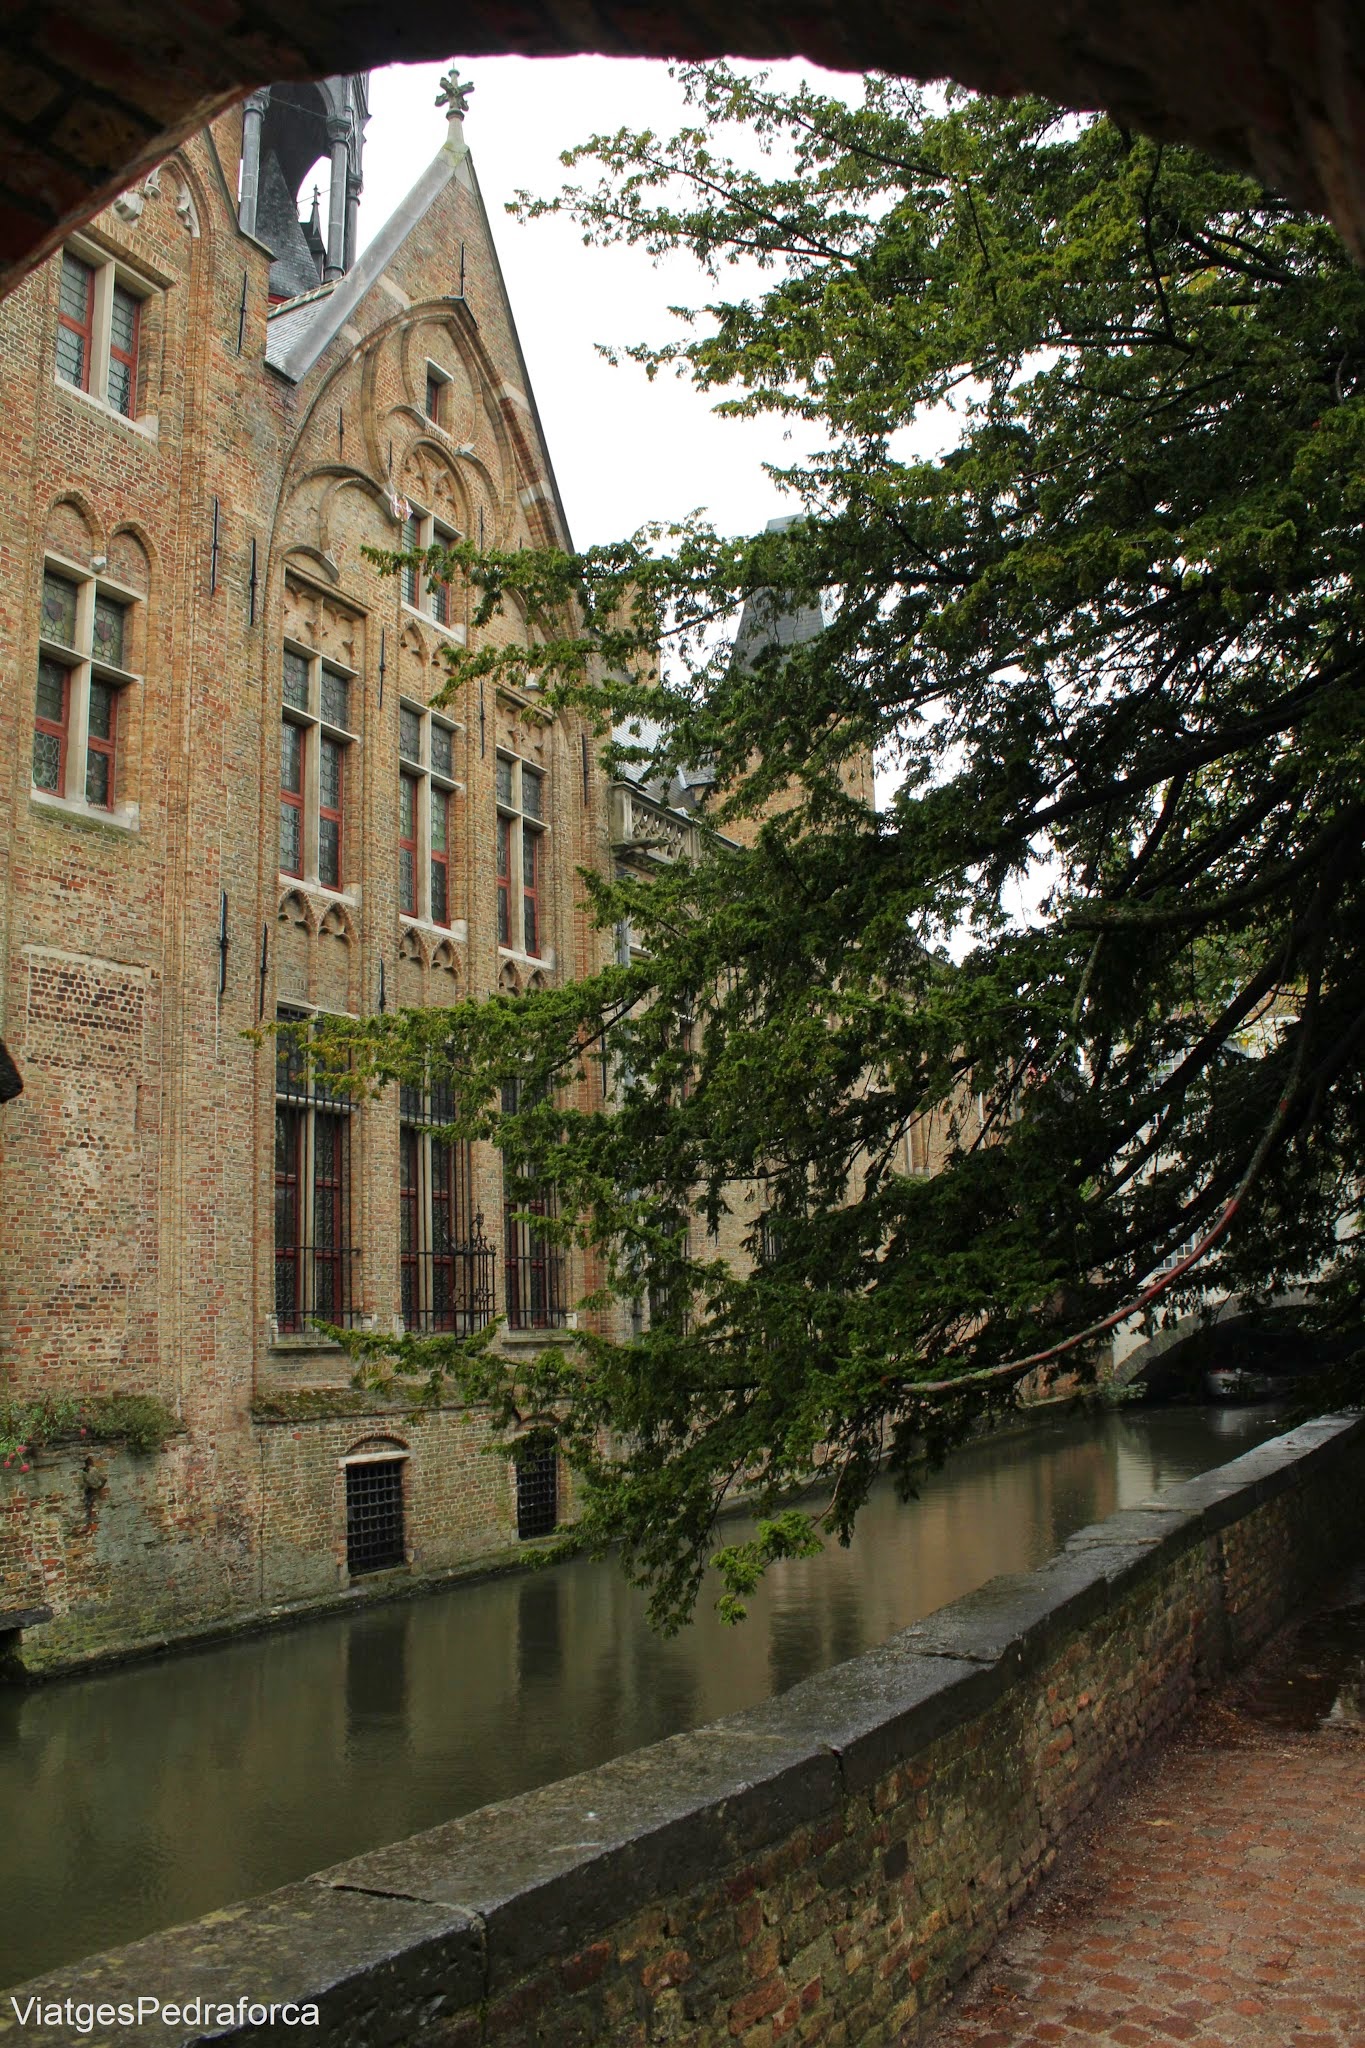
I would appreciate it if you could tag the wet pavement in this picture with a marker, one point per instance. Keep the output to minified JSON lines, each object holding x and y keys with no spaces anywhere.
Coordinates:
{"x":1219,"y":1899}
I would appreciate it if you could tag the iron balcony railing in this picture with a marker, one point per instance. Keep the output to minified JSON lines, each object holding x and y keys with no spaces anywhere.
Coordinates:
{"x":451,"y":1288}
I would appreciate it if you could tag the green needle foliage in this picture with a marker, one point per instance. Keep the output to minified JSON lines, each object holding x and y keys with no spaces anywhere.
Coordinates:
{"x":1113,"y":643}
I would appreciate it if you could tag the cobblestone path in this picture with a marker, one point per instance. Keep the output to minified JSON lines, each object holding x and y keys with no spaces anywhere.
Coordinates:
{"x":1220,"y":1898}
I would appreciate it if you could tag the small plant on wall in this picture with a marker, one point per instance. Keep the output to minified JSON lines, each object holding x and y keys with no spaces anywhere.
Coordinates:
{"x":140,"y":1422}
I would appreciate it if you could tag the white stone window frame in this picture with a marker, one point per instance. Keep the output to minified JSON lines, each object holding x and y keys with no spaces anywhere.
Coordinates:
{"x":428,"y":778}
{"x":82,"y":667}
{"x":314,"y":726}
{"x":109,"y":271}
{"x":431,"y":532}
{"x":521,"y":821}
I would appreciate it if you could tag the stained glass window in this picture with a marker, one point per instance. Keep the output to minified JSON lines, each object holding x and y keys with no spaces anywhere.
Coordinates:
{"x":109,"y":621}
{"x":59,"y":610}
{"x":74,"y":316}
{"x":329,"y":813}
{"x":49,"y":732}
{"x":124,"y":313}
{"x":99,"y":758}
{"x":295,"y":680}
{"x":336,"y":694}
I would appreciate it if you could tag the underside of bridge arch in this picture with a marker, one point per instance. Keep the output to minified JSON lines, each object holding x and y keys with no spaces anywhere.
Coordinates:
{"x":1258,"y":1339}
{"x":90,"y":96}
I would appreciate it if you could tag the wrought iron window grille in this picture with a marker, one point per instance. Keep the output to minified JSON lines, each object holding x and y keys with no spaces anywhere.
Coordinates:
{"x":537,"y":1470}
{"x":446,"y":1262}
{"x":317,"y":1260}
{"x":375,"y":1539}
{"x":535,"y":1290}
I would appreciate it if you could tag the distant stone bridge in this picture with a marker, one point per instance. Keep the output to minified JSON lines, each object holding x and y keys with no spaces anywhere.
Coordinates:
{"x":1218,"y":1331}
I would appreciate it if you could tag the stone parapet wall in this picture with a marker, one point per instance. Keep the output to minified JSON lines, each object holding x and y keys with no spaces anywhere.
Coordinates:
{"x":819,"y":1869}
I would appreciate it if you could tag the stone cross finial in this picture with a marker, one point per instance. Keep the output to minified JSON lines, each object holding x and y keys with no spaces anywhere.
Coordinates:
{"x":453,"y":96}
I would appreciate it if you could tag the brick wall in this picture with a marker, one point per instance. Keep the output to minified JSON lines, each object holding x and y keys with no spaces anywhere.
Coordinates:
{"x":820,"y":1869}
{"x":200,"y":1539}
{"x":136,"y":1170}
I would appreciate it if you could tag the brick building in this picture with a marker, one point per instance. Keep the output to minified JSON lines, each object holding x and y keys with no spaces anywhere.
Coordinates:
{"x":229,"y":798}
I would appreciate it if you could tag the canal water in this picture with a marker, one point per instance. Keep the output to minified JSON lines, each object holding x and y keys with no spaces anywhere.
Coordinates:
{"x":141,"y":1797}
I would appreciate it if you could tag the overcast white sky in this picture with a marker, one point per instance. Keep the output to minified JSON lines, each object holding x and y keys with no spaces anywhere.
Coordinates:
{"x":624,"y":450}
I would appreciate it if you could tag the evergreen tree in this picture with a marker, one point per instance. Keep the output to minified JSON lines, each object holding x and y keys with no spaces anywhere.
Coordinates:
{"x":1112,"y":642}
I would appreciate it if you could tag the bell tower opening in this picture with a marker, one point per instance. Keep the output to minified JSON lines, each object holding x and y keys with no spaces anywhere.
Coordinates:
{"x":302,"y":143}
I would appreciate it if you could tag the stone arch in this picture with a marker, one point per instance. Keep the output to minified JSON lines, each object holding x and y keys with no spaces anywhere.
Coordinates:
{"x":382,"y":1440}
{"x":509,"y":981}
{"x":182,"y":197}
{"x":332,"y":490}
{"x":1220,"y":1331}
{"x":536,"y":983}
{"x":336,"y":955}
{"x":293,"y":946}
{"x":73,"y":528}
{"x":130,"y":558}
{"x":412,"y":961}
{"x":429,"y":477}
{"x":445,"y":974}
{"x":421,"y":670}
{"x":432,"y":336}
{"x":293,"y":909}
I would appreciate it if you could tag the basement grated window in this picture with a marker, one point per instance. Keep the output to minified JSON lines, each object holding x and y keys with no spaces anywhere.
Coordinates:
{"x":537,"y":1493}
{"x":374,"y":1516}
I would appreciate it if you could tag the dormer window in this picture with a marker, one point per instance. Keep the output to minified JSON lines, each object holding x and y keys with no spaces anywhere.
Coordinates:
{"x":99,"y":322}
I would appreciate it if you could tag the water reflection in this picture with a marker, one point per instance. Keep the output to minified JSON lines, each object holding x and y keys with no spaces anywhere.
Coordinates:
{"x":146,"y":1796}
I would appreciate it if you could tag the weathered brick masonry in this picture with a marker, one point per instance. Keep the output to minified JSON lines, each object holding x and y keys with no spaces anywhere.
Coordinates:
{"x":222,"y":506}
{"x":819,"y":1869}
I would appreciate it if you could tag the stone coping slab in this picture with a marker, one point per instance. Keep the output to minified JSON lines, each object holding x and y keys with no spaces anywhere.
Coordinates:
{"x":382,"y":1964}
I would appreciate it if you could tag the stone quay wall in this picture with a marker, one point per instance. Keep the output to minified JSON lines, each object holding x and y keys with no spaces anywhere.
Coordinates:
{"x":822,"y":1868}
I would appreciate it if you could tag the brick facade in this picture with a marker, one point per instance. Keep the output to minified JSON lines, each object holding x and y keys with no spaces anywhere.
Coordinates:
{"x":267,"y":447}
